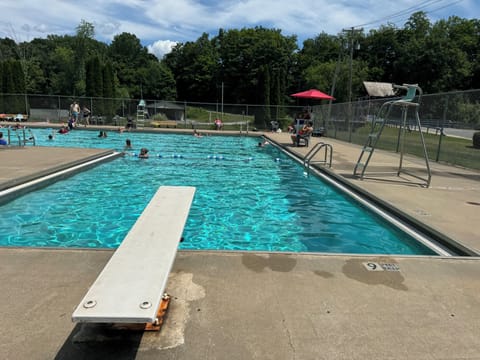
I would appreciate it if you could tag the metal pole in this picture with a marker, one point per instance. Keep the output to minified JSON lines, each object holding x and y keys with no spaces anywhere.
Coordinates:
{"x":185,"y":114}
{"x":350,"y":69}
{"x":59,"y":110}
{"x":352,"y":31}
{"x":332,"y":90}
{"x":350,"y":72}
{"x":222,"y":103}
{"x":444,"y":118}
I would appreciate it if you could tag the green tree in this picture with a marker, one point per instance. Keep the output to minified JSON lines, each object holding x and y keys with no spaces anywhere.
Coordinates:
{"x":413,"y":66}
{"x":95,"y":84}
{"x":244,"y":52}
{"x":450,"y":48}
{"x":108,"y":89}
{"x":158,"y":81}
{"x":322,"y":48}
{"x":129,"y":57}
{"x":381,"y":50}
{"x":85,"y":32}
{"x":94,"y":76}
{"x":43,"y":67}
{"x":8,"y":49}
{"x":195,"y":66}
{"x":2,"y":99}
{"x":14,"y":83}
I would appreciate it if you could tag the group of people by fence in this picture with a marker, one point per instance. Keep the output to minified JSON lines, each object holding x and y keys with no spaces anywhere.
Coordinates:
{"x":77,"y":115}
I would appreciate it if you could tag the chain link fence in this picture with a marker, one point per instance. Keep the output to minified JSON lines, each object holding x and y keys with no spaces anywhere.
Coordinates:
{"x":115,"y":111}
{"x":448,"y":120}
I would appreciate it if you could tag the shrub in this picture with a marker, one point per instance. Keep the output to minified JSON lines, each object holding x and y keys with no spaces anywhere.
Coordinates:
{"x":476,"y":140}
{"x":160,"y":116}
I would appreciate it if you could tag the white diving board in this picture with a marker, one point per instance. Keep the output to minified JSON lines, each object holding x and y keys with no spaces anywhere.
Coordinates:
{"x":131,"y":285}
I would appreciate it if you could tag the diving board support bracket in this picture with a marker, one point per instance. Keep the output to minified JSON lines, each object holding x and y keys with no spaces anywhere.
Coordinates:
{"x":155,"y":326}
{"x":131,"y":287}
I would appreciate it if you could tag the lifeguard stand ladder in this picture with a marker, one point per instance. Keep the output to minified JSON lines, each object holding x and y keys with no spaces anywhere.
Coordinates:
{"x":141,"y":109}
{"x":379,"y":123}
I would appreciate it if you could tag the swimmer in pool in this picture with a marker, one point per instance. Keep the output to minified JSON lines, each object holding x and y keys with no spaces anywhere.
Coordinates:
{"x":143,"y":153}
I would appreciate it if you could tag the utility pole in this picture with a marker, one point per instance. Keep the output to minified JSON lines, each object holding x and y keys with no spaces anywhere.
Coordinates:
{"x":351,"y":42}
{"x":222,"y":103}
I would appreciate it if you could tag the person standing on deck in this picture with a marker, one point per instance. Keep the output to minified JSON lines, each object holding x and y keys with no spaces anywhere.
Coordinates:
{"x":74,"y":112}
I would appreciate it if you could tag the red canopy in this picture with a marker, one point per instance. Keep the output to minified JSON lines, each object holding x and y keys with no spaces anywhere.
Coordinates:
{"x":313,"y":94}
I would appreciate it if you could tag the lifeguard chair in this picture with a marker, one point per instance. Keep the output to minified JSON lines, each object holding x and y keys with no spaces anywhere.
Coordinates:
{"x":410,"y":101}
{"x":141,"y":112}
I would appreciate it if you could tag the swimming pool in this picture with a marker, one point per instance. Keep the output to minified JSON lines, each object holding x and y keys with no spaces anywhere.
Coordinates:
{"x":248,"y":198}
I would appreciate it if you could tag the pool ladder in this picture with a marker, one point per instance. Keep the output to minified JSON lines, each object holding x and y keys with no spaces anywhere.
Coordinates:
{"x":327,"y":155}
{"x":23,"y":135}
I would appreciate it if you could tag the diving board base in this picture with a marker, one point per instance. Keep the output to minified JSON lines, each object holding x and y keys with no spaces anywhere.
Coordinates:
{"x":154,"y":326}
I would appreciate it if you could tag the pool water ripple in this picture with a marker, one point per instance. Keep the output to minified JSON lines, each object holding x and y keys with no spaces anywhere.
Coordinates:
{"x":248,"y":198}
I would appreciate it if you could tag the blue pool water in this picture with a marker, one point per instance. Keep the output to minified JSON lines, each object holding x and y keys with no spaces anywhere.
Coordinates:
{"x":248,"y":198}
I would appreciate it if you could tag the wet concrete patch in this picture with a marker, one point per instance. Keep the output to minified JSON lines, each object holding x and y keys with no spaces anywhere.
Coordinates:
{"x":276,"y":262}
{"x":324,"y":274}
{"x":355,"y":269}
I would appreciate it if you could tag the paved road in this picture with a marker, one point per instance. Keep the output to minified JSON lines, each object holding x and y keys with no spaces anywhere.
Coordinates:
{"x":462,"y":133}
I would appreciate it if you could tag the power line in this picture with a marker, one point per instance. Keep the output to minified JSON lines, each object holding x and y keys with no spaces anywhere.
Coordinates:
{"x":445,"y":6}
{"x":404,"y":12}
{"x":408,"y":11}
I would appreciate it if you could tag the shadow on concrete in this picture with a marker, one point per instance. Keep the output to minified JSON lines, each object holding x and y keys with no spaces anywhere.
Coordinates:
{"x":100,"y":341}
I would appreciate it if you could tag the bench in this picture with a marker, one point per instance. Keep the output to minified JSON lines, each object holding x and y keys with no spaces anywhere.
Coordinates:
{"x":131,"y":286}
{"x":166,"y":123}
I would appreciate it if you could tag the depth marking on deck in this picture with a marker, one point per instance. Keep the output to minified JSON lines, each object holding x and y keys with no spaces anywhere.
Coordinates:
{"x":374,"y":266}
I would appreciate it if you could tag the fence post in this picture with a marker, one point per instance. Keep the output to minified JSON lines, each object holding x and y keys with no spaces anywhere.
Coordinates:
{"x":444,"y":118}
{"x":59,"y":110}
{"x":185,"y":114}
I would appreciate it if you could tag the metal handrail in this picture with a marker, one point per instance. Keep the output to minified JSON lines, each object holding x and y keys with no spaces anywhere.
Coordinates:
{"x":31,"y":137}
{"x":22,"y":136}
{"x":326,"y":158}
{"x":10,"y":135}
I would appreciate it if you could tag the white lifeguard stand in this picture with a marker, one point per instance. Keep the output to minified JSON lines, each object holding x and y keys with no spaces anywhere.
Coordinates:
{"x":141,"y":111}
{"x":410,"y":101}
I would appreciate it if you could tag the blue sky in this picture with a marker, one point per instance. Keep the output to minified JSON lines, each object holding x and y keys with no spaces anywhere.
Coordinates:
{"x":159,"y":24}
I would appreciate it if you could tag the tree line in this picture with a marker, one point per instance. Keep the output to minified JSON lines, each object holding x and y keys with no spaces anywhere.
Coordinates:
{"x":246,"y":66}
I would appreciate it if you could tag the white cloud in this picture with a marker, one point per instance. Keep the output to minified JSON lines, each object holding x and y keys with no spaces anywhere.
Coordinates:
{"x":107,"y":28}
{"x":186,"y":20}
{"x":41,"y":28}
{"x":161,"y":47}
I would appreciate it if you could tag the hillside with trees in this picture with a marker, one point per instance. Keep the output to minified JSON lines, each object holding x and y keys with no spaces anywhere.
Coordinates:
{"x":253,"y":65}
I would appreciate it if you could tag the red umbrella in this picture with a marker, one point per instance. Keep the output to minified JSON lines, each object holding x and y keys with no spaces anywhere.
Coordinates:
{"x":313,"y":94}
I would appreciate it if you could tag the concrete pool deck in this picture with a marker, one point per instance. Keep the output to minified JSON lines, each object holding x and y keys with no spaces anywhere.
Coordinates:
{"x":265,"y":306}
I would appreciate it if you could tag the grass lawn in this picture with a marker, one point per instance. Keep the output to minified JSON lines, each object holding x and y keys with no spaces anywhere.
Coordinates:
{"x":450,"y":150}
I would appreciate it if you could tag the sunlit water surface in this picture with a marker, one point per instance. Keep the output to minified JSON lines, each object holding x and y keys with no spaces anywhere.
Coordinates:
{"x":248,"y":198}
